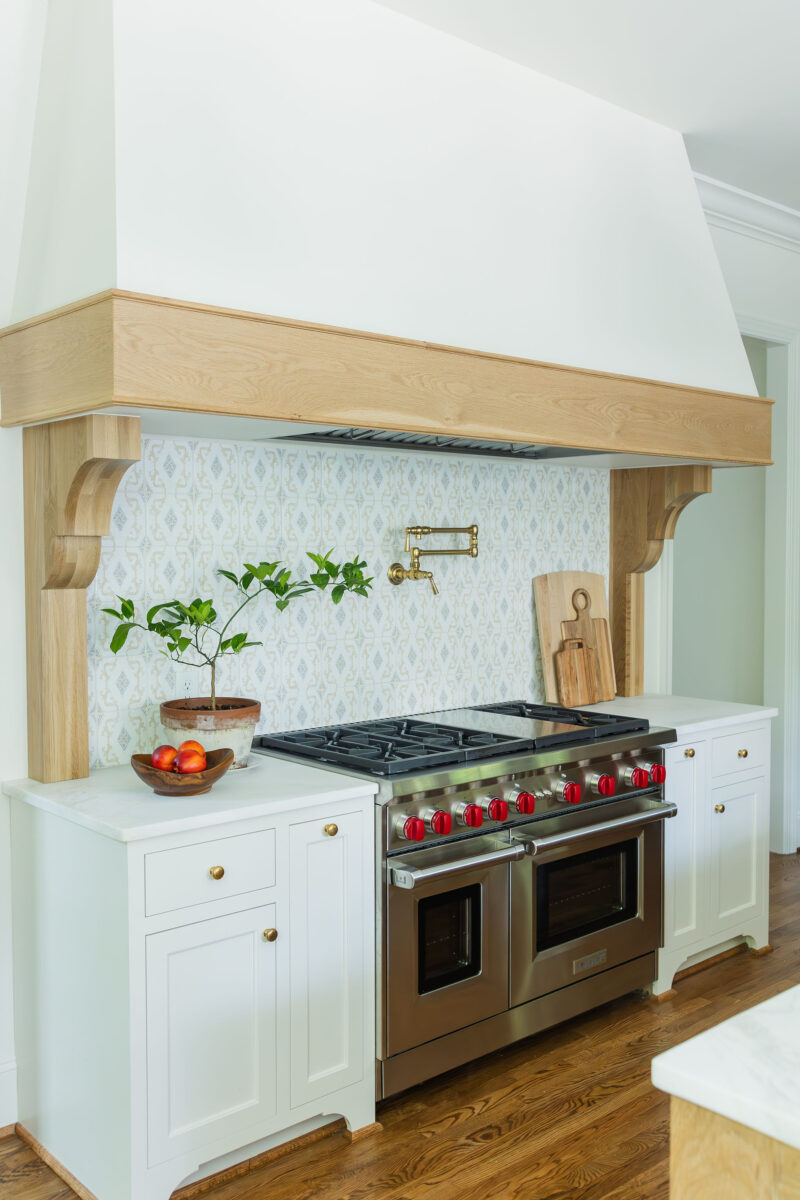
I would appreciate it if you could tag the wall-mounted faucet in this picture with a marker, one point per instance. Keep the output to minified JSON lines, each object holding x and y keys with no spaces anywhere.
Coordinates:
{"x":398,"y":573}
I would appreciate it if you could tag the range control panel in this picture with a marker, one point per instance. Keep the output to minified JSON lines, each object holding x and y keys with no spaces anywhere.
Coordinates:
{"x":453,"y":812}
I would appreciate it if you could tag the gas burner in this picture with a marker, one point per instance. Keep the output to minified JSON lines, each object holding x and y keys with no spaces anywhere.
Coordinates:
{"x":390,"y":746}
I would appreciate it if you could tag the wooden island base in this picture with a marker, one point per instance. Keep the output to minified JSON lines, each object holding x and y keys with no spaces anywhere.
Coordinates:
{"x":712,"y":1157}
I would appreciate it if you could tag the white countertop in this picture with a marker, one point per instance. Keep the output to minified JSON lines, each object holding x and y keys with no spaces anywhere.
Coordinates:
{"x":746,"y":1068}
{"x":684,"y":713}
{"x":114,"y":802}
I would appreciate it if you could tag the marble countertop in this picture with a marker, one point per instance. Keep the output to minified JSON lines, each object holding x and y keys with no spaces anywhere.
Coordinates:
{"x":746,"y":1068}
{"x":113,"y":802}
{"x":684,"y":713}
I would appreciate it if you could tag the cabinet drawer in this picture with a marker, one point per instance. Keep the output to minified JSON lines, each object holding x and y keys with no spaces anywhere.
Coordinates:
{"x":744,"y":750}
{"x":182,"y":877}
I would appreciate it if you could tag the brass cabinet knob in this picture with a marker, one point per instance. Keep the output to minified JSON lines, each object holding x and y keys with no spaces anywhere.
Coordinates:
{"x":217,"y":872}
{"x":719,"y":808}
{"x":742,"y":754}
{"x":331,"y":829}
{"x":270,"y":935}
{"x":689,"y":753}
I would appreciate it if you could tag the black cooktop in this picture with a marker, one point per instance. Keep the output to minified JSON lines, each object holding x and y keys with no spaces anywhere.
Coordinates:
{"x":418,"y":743}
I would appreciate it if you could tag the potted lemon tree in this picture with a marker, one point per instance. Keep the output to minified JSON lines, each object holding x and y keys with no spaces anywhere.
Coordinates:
{"x":192,"y":634}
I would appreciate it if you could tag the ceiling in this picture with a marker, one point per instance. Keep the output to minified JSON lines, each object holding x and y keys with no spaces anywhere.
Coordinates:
{"x":722,"y":72}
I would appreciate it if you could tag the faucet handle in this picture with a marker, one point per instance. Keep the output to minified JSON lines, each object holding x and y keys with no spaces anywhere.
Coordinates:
{"x":431,"y":581}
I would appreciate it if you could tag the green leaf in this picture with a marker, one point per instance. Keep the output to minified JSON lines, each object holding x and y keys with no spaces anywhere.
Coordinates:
{"x":112,"y":612}
{"x":184,"y":643}
{"x":320,"y":579}
{"x":337,"y":593}
{"x":120,"y":637}
{"x":246,"y":580}
{"x":281,"y":604}
{"x":228,"y":575}
{"x":127,"y":608}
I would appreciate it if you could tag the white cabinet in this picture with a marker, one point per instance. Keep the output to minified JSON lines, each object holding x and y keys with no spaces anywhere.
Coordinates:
{"x":685,"y":896}
{"x":327,"y":961}
{"x":739,"y":818}
{"x":716,"y":850}
{"x":212,"y":1031}
{"x":197,"y":996}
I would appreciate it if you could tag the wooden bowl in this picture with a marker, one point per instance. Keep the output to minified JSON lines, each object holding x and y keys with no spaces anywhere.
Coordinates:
{"x":171,"y":783}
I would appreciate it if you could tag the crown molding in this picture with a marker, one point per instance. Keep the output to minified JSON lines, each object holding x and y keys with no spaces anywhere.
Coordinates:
{"x":728,"y":207}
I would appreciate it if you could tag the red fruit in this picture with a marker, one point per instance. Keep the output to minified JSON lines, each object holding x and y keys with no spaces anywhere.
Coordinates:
{"x":191,"y":745}
{"x":164,"y":757}
{"x":188,"y":762}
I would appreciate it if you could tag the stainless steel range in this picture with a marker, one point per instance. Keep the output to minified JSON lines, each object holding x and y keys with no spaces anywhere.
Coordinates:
{"x":520,"y":867}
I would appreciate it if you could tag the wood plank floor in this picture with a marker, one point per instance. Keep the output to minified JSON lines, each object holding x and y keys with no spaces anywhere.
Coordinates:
{"x":567,"y":1115}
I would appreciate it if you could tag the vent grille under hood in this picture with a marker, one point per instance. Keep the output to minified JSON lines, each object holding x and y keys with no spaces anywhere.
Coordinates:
{"x":435,"y":443}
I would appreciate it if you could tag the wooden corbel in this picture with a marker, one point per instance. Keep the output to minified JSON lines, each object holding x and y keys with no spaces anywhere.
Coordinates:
{"x":645,"y":506}
{"x":71,"y":471}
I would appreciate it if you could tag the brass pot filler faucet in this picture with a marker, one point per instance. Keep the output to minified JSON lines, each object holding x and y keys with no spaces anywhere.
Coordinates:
{"x":397,"y":572}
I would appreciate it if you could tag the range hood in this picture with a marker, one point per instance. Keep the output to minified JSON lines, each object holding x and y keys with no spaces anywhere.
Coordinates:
{"x":433,"y":443}
{"x":347,"y":165}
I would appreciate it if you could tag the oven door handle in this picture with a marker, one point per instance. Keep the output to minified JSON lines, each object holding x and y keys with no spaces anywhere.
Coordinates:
{"x":534,"y":845}
{"x":406,"y":877}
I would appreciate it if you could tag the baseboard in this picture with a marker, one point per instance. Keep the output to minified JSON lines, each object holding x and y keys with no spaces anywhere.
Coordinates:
{"x":52,"y":1162}
{"x":355,"y":1135}
{"x":709,"y":962}
{"x":200,"y":1186}
{"x":8,"y":1093}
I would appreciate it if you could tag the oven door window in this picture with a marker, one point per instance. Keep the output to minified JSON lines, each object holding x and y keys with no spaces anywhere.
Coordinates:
{"x":583,"y":893}
{"x":449,"y":938}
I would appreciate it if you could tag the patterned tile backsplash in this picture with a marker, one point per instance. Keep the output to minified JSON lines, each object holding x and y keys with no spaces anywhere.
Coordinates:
{"x":191,"y":506}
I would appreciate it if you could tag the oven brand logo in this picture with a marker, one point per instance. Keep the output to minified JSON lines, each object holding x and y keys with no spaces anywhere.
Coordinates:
{"x":591,"y":960}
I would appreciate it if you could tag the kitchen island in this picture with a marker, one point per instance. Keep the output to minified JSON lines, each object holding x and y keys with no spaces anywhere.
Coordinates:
{"x":194,"y":977}
{"x":735,"y":1110}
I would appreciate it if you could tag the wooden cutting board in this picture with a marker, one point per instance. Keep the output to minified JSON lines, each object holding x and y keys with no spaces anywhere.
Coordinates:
{"x":593,"y":632}
{"x":576,"y":673}
{"x":553,"y":595}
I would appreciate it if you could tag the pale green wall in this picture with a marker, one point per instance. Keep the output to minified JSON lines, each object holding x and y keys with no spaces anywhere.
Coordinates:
{"x":718,"y":581}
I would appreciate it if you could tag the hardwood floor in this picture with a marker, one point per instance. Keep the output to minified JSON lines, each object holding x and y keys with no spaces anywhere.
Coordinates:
{"x":567,"y":1115}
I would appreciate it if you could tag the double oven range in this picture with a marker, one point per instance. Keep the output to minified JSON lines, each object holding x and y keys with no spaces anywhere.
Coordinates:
{"x":520,"y":871}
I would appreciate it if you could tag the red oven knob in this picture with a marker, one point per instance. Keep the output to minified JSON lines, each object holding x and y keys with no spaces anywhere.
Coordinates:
{"x":495,"y":809}
{"x":412,"y":829}
{"x":570,"y":793}
{"x":658,"y":773}
{"x":471,"y":815}
{"x":439,"y":822}
{"x":526,"y":803}
{"x":636,"y":777}
{"x":606,"y":785}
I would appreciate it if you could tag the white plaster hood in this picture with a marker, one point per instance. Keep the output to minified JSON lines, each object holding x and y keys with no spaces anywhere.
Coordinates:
{"x":345,"y":164}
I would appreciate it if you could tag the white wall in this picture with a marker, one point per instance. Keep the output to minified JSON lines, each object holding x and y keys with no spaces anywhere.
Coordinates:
{"x":718,"y":582}
{"x":762,"y":272}
{"x":23,"y":23}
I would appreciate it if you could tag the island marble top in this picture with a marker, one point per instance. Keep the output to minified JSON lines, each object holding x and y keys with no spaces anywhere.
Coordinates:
{"x":746,"y":1068}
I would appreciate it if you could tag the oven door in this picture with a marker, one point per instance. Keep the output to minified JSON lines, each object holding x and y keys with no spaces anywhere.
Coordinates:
{"x":586,"y":897}
{"x":446,"y":939}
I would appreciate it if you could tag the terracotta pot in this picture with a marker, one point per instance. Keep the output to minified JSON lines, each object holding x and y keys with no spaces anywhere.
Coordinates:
{"x":232,"y":723}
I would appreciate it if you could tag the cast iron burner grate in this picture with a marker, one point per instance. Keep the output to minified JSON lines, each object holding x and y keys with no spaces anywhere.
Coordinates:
{"x":592,"y":724}
{"x":391,"y":746}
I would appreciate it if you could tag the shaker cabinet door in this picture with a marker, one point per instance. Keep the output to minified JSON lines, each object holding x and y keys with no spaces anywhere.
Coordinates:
{"x":686,"y":855}
{"x":327,"y":955}
{"x":739,"y":819}
{"x":211,"y":1031}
